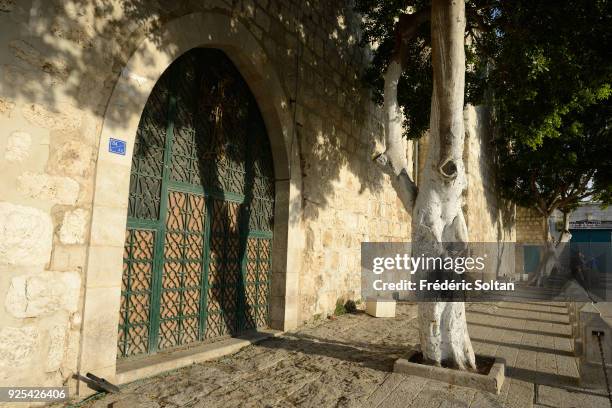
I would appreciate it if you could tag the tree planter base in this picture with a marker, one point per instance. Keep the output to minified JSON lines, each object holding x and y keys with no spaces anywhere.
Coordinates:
{"x":487,"y":379}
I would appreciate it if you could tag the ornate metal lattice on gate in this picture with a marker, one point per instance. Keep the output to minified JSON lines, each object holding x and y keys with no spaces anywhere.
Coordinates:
{"x":199,"y":233}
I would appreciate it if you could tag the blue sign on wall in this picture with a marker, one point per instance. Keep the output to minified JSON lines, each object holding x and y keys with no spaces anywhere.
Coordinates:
{"x":116,"y":146}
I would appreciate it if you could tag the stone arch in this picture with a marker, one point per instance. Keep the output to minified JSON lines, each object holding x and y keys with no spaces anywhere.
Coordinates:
{"x":109,"y":213}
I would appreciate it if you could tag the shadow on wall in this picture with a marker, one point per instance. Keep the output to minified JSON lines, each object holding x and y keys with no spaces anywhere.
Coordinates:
{"x":480,"y":131}
{"x":483,"y":199}
{"x":65,"y":61}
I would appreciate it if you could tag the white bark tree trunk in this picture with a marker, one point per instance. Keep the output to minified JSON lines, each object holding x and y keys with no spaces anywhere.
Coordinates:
{"x":552,"y":252}
{"x":437,"y":215}
{"x":394,"y":159}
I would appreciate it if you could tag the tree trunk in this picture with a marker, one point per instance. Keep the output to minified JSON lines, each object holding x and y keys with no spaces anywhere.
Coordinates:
{"x":551,"y":251}
{"x":437,"y":216}
{"x":565,"y":236}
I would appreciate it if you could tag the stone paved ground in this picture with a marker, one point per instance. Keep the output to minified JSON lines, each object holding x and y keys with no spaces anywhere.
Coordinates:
{"x":346,"y":362}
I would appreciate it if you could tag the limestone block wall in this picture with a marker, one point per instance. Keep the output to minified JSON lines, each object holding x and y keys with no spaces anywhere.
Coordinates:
{"x":48,"y":134}
{"x":490,"y":219}
{"x":529,"y":226}
{"x":488,"y":216}
{"x":529,"y":232}
{"x":59,"y":63}
{"x":346,"y":199}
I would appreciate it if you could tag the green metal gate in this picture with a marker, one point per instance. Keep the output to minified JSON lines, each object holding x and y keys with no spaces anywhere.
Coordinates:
{"x":199,"y":232}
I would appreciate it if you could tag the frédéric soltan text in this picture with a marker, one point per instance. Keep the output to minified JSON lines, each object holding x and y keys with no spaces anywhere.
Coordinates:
{"x":425,"y":285}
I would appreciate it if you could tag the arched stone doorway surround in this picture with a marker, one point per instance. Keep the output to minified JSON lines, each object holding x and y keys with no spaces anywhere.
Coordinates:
{"x":98,"y":349}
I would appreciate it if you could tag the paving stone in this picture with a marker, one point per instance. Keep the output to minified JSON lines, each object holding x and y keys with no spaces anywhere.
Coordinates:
{"x":347,"y":362}
{"x":562,"y":398}
{"x":432,"y":395}
{"x":520,"y":394}
{"x":392,"y":381}
{"x":406,"y":393}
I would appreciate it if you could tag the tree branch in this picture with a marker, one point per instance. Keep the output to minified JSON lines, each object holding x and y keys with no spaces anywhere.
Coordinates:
{"x":448,"y":63}
{"x":540,"y":204}
{"x":577,"y":193}
{"x":565,"y":235}
{"x":406,"y":29}
{"x":394,"y":161}
{"x":405,"y":188}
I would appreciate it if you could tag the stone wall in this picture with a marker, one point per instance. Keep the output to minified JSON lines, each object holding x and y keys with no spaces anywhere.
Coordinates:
{"x":529,"y":226}
{"x":488,"y":216}
{"x":346,"y":199}
{"x":46,"y":167}
{"x":60,"y":63}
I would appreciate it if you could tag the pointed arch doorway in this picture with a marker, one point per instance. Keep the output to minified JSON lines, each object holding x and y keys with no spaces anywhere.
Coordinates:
{"x":197,"y":254}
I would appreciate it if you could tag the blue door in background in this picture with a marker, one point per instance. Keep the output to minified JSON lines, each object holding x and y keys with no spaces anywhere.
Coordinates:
{"x":591,"y":235}
{"x":595,"y":246}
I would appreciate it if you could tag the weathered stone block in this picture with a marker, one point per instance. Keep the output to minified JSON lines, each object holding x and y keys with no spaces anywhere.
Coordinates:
{"x":26,"y":235}
{"x":99,"y":330}
{"x":57,"y":342}
{"x":105,"y":224}
{"x":66,"y":117}
{"x":378,"y":308}
{"x":42,"y":294}
{"x":32,"y":56}
{"x":72,"y":158}
{"x":6,"y":105}
{"x":18,"y":146}
{"x":73,"y":227}
{"x":592,"y":322}
{"x":17,"y":346}
{"x":24,"y":51}
{"x":68,"y":257}
{"x":71,"y":352}
{"x":104,"y":266}
{"x":61,"y":190}
{"x":20,"y":80}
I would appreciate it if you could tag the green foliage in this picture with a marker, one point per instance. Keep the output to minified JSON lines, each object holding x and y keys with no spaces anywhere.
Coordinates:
{"x":414,"y":90}
{"x":543,"y":66}
{"x":551,"y":61}
{"x":340,"y":310}
{"x":565,"y":169}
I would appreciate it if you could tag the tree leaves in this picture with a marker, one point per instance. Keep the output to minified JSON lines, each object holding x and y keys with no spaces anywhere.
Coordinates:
{"x":543,"y":66}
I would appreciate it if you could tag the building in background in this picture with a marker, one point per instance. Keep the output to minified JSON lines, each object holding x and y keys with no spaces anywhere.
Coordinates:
{"x":591,"y":223}
{"x":591,"y":229}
